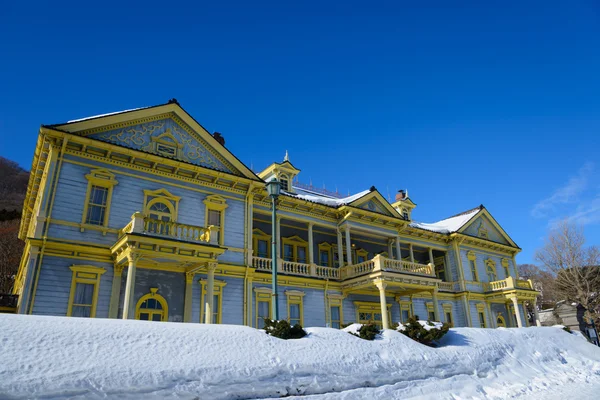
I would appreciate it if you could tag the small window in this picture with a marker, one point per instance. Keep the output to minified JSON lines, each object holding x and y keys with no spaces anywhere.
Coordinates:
{"x":97,"y":205}
{"x":481,"y":320}
{"x":431,"y":316}
{"x":405,"y":315}
{"x":83,"y":300}
{"x":152,"y":307}
{"x":294,"y":314}
{"x":84,"y":291}
{"x":166,"y":150}
{"x":301,"y":254}
{"x":324,"y":258}
{"x":284,"y":184}
{"x":449,"y":317}
{"x":473,"y":270}
{"x":214,"y":219}
{"x":288,"y":252}
{"x":336,"y":321}
{"x":264,"y":311}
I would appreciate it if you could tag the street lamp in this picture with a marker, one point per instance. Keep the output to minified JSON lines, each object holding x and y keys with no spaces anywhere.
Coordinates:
{"x":274,"y":188}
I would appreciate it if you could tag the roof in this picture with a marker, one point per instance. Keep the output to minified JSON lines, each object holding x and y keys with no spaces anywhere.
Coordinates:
{"x":451,"y":224}
{"x":324,"y":199}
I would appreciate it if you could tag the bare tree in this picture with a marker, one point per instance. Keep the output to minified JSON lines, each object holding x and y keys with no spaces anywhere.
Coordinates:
{"x":11,"y":249}
{"x":544,"y":282}
{"x":576,"y":267}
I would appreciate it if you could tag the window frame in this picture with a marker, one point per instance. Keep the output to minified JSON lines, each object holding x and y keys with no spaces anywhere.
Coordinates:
{"x":430,"y":311}
{"x":257,"y":235}
{"x":405,"y":306}
{"x":89,"y":275}
{"x":335,"y":300}
{"x":218,"y":286}
{"x":447,"y":307}
{"x":506,"y":267}
{"x":490,"y":265}
{"x":368,"y":307}
{"x":153,"y":295}
{"x":359,"y":253}
{"x":472,"y":257}
{"x":216,"y":203}
{"x":104,"y":179}
{"x":294,"y":241}
{"x":295,"y":297}
{"x":501,"y":318}
{"x":262,"y":294}
{"x":168,"y":140}
{"x":481,"y":313}
{"x":152,"y":197}
{"x":325,"y":247}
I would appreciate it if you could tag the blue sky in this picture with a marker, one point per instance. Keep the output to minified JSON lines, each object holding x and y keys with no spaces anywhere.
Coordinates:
{"x":474,"y":103}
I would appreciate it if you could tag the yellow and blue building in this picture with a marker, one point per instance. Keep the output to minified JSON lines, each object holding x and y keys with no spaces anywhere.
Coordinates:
{"x":143,"y":214}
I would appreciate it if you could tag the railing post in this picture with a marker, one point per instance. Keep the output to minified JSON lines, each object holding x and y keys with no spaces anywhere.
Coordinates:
{"x":510,"y":282}
{"x":378,"y":263}
{"x":313,"y":269}
{"x":137,"y":225}
{"x":430,"y":269}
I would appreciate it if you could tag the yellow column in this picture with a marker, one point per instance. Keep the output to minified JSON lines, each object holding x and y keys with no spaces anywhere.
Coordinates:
{"x":381,"y":285}
{"x":187,"y":304}
{"x":434,"y":297}
{"x":489,"y":311}
{"x":517,"y":312}
{"x":431,"y":256}
{"x":467,"y":307}
{"x":129,"y":302}
{"x":398,"y":249}
{"x":412,"y":254}
{"x":210,"y":293}
{"x":311,"y":250}
{"x":340,"y":248}
{"x":115,"y":293}
{"x":250,"y":308}
{"x":390,"y":249}
{"x":348,"y":245}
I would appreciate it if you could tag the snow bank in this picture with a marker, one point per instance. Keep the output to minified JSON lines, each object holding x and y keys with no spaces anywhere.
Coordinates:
{"x":61,"y":357}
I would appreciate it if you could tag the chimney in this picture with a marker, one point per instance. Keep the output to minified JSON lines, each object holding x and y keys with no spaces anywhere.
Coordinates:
{"x":219,"y":138}
{"x":401,"y":195}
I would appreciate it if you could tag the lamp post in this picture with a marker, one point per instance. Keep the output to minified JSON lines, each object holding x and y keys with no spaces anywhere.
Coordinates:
{"x":274,"y":188}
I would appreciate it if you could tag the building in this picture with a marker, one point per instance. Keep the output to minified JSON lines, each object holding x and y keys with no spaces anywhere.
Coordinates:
{"x":144,"y":214}
{"x":572,"y":316}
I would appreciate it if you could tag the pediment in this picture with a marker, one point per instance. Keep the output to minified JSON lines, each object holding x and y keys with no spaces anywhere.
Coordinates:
{"x":484,"y":226}
{"x":375,"y":202}
{"x":167,"y":131}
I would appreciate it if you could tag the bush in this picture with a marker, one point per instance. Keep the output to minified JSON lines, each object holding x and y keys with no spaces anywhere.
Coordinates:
{"x":414,"y":330}
{"x":567,"y":329}
{"x":367,"y":332}
{"x":283,"y":330}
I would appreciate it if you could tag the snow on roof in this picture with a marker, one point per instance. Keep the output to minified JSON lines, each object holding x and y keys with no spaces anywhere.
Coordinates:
{"x":104,"y":115}
{"x":448,"y":225}
{"x":324,"y":199}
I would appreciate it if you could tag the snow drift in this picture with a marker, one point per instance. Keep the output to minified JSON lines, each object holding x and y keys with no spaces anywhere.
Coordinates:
{"x":59,"y":357}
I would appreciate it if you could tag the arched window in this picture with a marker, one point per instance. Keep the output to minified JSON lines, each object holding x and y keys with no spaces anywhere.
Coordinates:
{"x":500,"y":323}
{"x":160,"y":210}
{"x":491,"y":270}
{"x":152,"y":307}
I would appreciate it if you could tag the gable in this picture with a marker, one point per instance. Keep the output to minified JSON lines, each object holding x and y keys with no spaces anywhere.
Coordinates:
{"x":375,"y":202}
{"x":482,"y":225}
{"x":166,"y":130}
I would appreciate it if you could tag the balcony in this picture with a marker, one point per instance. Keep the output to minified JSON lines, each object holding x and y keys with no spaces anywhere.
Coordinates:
{"x":170,"y":230}
{"x":509,"y":283}
{"x":377,"y":264}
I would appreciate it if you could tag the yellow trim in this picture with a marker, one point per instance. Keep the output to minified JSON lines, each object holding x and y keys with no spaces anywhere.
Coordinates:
{"x":447,"y":307}
{"x":405,"y":305}
{"x":296,"y":242}
{"x":490,"y":269}
{"x":257,"y":235}
{"x":506,"y":267}
{"x":99,"y":178}
{"x":262,"y":294}
{"x":360,"y":252}
{"x":429,"y":307}
{"x":164,"y":313}
{"x":368,"y":307}
{"x":215,"y":202}
{"x":163,"y":196}
{"x":500,"y":321}
{"x":85,"y":274}
{"x":295,"y":297}
{"x":218,"y":291}
{"x":491,"y":219}
{"x":481,"y":311}
{"x":335,"y":300}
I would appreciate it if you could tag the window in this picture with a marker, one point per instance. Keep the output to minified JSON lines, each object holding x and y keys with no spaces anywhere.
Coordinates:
{"x":295,"y":249}
{"x":481,"y":314}
{"x":440,"y":270}
{"x":160,"y":207}
{"x":261,"y":243}
{"x":215,"y":217}
{"x":336,"y":317}
{"x":325,"y":254}
{"x":335,"y":310}
{"x":405,"y":311}
{"x":490,"y":267}
{"x":152,"y":307}
{"x":284,"y":184}
{"x":217,"y":300}
{"x":505,"y":266}
{"x":84,"y":291}
{"x":294,"y":303}
{"x":166,"y":150}
{"x":473,"y":266}
{"x":368,"y":312}
{"x":98,"y":197}
{"x":405,"y":214}
{"x":166,"y":144}
{"x":430,"y":312}
{"x":500,"y":323}
{"x":361,"y":256}
{"x":448,"y":312}
{"x":263,"y":306}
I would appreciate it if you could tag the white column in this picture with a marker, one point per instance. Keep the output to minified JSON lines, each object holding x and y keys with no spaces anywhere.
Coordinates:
{"x":535,"y":313}
{"x":210,"y":293}
{"x":412,"y":255}
{"x":467,"y":307}
{"x":311,"y":250}
{"x":348,"y":246}
{"x":250,"y":307}
{"x":278,"y":236}
{"x":381,"y":285}
{"x":340,"y":248}
{"x":517,"y":312}
{"x":187,"y":301}
{"x":250,"y":243}
{"x":431,"y":256}
{"x":115,"y":293}
{"x":390,"y":249}
{"x":129,"y":302}
{"x":434,"y":297}
{"x":398,"y":249}
{"x":492,"y":318}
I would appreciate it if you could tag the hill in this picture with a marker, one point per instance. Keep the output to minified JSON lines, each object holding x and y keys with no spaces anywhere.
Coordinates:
{"x":13,"y":185}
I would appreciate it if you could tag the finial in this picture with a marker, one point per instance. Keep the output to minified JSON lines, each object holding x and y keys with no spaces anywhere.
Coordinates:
{"x":287,"y":157}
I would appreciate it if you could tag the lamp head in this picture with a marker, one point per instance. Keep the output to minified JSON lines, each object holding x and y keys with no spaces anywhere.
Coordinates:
{"x":274,"y":188}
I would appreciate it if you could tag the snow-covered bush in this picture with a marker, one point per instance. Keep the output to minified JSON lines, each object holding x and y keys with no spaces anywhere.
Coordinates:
{"x":425,"y":332}
{"x":366,"y":331}
{"x":283,"y":330}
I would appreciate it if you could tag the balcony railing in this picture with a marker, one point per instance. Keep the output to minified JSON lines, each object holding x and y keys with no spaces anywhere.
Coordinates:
{"x":507,"y":284}
{"x":169,"y":229}
{"x":376,"y":264}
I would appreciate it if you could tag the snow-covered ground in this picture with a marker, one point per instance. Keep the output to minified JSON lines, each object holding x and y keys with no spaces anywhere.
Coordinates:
{"x":55,"y":357}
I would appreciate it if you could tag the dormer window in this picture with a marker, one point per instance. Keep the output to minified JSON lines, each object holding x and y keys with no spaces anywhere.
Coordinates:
{"x":285,"y":185}
{"x":405,"y":214}
{"x":167,"y":145}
